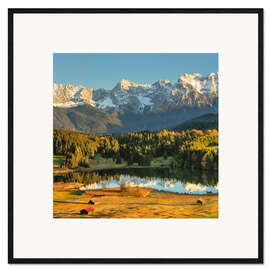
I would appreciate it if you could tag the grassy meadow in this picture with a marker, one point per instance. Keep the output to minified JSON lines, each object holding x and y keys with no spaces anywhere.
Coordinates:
{"x":146,"y":197}
{"x":131,"y":202}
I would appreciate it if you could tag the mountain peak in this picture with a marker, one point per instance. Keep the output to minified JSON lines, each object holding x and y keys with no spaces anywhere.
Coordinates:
{"x":213,"y":75}
{"x":190,"y":90}
{"x":207,"y":85}
{"x":67,"y":95}
{"x":125,"y":84}
{"x":187,"y":77}
{"x":162,"y":83}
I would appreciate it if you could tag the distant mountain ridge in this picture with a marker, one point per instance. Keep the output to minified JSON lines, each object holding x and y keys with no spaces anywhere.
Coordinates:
{"x":190,"y":89}
{"x":203,"y":122}
{"x":131,"y":106}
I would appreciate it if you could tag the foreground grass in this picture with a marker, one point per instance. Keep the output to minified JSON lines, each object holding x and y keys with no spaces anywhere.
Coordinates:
{"x":131,"y":203}
{"x":99,"y":163}
{"x":161,"y":162}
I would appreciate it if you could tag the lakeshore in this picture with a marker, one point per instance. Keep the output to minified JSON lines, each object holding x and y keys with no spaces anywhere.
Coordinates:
{"x":135,"y":202}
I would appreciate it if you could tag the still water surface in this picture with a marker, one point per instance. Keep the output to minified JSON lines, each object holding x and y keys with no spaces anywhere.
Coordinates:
{"x":162,"y":179}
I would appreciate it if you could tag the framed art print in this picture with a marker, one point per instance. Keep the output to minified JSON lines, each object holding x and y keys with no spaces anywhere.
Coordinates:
{"x":135,"y":135}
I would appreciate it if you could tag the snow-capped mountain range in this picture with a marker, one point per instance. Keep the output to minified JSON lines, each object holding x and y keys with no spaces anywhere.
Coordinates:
{"x":193,"y":90}
{"x":67,"y":95}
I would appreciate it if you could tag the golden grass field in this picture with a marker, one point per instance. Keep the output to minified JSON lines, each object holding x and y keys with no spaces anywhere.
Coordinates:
{"x":131,"y":202}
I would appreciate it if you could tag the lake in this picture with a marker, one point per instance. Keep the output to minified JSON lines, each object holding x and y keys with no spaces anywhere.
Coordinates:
{"x":162,"y":179}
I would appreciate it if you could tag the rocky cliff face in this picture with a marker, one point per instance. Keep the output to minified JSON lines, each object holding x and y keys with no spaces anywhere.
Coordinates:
{"x":133,"y":106}
{"x":67,"y":95}
{"x":189,"y":90}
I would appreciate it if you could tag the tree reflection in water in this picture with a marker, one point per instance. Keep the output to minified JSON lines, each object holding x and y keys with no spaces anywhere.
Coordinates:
{"x":176,"y":180}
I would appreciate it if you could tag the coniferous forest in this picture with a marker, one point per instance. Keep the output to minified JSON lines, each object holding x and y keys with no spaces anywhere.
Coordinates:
{"x":135,"y":135}
{"x":191,"y":149}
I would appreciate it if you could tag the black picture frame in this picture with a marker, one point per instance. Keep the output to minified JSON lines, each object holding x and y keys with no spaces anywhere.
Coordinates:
{"x":13,"y":260}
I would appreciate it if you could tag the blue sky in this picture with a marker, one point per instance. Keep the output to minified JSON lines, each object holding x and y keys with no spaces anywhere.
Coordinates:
{"x":104,"y":70}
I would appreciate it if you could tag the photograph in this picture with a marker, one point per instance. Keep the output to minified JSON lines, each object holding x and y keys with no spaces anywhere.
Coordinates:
{"x":135,"y":135}
{"x":119,"y":113}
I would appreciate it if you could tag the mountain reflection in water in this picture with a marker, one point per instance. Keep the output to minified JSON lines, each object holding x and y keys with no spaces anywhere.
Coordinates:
{"x":179,"y":181}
